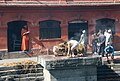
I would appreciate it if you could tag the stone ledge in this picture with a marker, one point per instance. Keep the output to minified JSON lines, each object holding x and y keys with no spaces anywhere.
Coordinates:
{"x":62,"y":62}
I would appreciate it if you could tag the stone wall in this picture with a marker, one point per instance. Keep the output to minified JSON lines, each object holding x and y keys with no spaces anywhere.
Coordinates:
{"x":70,"y":69}
{"x":83,"y":73}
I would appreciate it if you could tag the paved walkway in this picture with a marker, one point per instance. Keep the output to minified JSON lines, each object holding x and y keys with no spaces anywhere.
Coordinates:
{"x":18,"y":60}
{"x":36,"y":59}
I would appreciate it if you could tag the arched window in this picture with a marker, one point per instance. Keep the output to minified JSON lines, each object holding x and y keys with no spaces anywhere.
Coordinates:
{"x":50,"y":29}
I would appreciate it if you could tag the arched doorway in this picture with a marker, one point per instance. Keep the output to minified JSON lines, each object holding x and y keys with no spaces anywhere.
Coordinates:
{"x":14,"y":35}
{"x":75,"y":28}
{"x":105,"y":23}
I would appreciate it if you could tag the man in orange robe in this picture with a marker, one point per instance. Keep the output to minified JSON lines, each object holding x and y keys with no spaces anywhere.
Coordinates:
{"x":25,"y":38}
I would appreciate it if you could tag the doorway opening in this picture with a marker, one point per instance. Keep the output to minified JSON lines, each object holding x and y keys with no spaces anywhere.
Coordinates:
{"x":105,"y":23}
{"x":75,"y":29}
{"x":14,"y":35}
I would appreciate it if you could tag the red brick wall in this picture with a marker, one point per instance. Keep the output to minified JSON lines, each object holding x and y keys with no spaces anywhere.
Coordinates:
{"x":34,"y":16}
{"x":3,"y":39}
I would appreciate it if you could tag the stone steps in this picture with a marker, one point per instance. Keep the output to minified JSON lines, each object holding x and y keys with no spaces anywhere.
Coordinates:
{"x":15,"y":72}
{"x":109,"y":72}
{"x":110,"y":79}
{"x":38,"y":78}
{"x":24,"y":77}
{"x":21,"y":73}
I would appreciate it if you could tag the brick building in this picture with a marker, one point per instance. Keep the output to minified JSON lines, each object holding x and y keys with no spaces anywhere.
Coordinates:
{"x":53,"y":21}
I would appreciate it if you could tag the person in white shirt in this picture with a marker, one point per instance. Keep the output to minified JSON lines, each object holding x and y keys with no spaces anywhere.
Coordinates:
{"x":108,"y":36}
{"x":72,"y":44}
{"x":83,"y":40}
{"x":105,"y":32}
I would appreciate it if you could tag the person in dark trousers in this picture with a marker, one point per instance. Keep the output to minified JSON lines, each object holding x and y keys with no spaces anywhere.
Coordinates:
{"x":94,"y":43}
{"x":109,"y":50}
{"x":101,"y":43}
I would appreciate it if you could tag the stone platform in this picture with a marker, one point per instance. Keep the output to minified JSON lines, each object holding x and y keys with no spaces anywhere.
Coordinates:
{"x":69,"y":69}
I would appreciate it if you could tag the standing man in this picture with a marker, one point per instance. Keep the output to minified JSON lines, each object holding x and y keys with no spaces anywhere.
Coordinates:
{"x":25,"y":38}
{"x":109,"y":38}
{"x":94,"y":43}
{"x":101,"y":43}
{"x":83,"y":40}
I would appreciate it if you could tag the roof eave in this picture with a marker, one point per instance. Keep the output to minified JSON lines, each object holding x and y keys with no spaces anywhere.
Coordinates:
{"x":54,"y":4}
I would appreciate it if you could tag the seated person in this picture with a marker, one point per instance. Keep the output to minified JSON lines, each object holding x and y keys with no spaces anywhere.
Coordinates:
{"x":109,"y":50}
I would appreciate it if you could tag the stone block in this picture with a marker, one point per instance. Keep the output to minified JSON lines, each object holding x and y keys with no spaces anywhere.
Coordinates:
{"x":51,"y":62}
{"x":70,"y":69}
